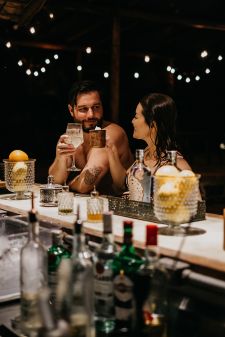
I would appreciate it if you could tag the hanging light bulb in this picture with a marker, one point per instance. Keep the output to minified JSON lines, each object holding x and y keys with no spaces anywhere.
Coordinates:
{"x":187,"y":80}
{"x":51,"y":15}
{"x":136,"y":75}
{"x":28,"y":72}
{"x":207,"y":71}
{"x":88,"y":50}
{"x":220,"y":57}
{"x":43,"y":70}
{"x":204,"y":53}
{"x":106,"y":74}
{"x":47,"y":61}
{"x":147,"y":58}
{"x":197,"y":78}
{"x":168,"y":68}
{"x":20,"y":63}
{"x":32,"y":30}
{"x":8,"y":44}
{"x":79,"y":67}
{"x":56,"y":56}
{"x":36,"y":73}
{"x":179,"y":77}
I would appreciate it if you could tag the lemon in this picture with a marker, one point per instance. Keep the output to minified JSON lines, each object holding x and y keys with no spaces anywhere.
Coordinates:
{"x":18,"y":155}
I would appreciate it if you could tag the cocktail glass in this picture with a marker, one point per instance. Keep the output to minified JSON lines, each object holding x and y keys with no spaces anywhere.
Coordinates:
{"x":176,"y":202}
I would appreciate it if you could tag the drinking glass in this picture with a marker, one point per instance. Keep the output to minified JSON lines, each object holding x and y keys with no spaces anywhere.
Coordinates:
{"x":75,"y":137}
{"x":176,"y":202}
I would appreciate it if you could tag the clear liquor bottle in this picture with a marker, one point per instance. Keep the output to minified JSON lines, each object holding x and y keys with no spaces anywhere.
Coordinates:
{"x":82,"y":287}
{"x":56,"y":253}
{"x":139,"y":179}
{"x":125,"y":266}
{"x":103,"y":279}
{"x":33,"y":276}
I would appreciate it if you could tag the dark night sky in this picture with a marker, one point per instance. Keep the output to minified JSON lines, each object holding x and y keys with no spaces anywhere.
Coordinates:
{"x":34,"y":110}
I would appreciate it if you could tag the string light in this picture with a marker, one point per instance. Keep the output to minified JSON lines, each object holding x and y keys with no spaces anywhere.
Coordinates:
{"x":168,"y":68}
{"x":88,"y":50}
{"x":20,"y":63}
{"x":147,"y":58}
{"x":219,"y":58}
{"x":8,"y":44}
{"x":43,"y":70}
{"x":28,"y":72}
{"x":56,"y":56}
{"x":179,"y":77}
{"x":207,"y":71}
{"x":187,"y":80}
{"x":106,"y":74}
{"x":36,"y":73}
{"x":51,"y":15}
{"x":204,"y":54}
{"x":197,"y":78}
{"x":136,"y":75}
{"x":47,"y":61}
{"x":79,"y":67}
{"x":32,"y":30}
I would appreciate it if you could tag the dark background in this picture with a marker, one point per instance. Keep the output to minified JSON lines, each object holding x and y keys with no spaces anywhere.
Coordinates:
{"x":34,"y":109}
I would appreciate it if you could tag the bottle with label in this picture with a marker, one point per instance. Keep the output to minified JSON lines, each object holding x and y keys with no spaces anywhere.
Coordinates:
{"x":125,"y":266}
{"x":103,"y":279}
{"x":56,"y":253}
{"x":33,"y":275}
{"x":82,"y":291}
{"x":139,"y":179}
{"x":151,"y":290}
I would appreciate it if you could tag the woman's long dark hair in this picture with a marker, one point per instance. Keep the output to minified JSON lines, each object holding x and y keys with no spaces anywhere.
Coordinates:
{"x":161,"y":109}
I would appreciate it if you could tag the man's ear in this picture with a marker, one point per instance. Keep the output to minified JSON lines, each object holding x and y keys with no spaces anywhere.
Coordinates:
{"x":70,"y":110}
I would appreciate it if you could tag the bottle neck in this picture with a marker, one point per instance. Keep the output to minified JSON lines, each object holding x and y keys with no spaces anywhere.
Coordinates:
{"x":33,"y":234}
{"x":151,"y":255}
{"x":78,"y":244}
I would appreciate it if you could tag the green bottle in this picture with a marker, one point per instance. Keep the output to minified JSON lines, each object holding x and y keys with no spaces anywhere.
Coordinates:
{"x":125,"y":266}
{"x":56,"y":253}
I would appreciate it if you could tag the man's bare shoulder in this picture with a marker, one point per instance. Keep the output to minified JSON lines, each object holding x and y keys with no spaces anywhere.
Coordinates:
{"x":114,"y":129}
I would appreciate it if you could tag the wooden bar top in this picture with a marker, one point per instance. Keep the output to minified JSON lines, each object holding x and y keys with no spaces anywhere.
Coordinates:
{"x":205,"y":249}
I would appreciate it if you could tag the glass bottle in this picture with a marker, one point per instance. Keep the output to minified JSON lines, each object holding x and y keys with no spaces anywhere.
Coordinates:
{"x":95,"y":207}
{"x":56,"y":253}
{"x":139,"y":179}
{"x":151,"y":298}
{"x":82,"y":301}
{"x":125,"y":266}
{"x":33,"y":276}
{"x":103,"y":279}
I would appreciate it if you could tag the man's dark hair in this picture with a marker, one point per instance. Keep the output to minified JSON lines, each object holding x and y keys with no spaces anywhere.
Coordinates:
{"x":83,"y":87}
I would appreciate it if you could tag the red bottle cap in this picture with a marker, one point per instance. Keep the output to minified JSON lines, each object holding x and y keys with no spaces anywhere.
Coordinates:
{"x":127,"y":224}
{"x":151,"y":235}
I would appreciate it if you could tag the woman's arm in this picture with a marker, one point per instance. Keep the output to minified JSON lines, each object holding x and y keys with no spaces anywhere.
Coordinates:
{"x":118,"y":172}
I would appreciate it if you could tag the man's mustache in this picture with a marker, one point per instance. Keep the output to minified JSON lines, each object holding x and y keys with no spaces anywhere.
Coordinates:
{"x":90,"y":124}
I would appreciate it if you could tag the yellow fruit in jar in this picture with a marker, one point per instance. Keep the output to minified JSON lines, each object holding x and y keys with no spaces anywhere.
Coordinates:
{"x":167,"y":171}
{"x":18,"y":155}
{"x":187,"y":173}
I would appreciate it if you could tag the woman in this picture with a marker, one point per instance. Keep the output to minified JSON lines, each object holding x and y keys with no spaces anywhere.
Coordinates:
{"x":154,"y":122}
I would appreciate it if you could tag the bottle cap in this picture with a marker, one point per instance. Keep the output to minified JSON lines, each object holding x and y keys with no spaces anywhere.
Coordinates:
{"x":139,"y":154}
{"x":127,"y":224}
{"x":107,"y":222}
{"x":151,"y":235}
{"x":94,"y":193}
{"x":78,"y":227}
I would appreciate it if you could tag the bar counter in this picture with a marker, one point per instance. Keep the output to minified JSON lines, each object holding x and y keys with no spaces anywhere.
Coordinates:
{"x":204,"y":250}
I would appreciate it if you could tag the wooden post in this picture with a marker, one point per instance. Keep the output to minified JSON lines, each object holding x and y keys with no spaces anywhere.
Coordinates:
{"x":115,"y":70}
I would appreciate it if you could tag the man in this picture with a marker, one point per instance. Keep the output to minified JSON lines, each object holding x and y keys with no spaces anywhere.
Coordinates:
{"x":85,"y":106}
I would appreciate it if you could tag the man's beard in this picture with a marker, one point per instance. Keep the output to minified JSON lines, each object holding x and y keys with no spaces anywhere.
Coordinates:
{"x":91,"y":123}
